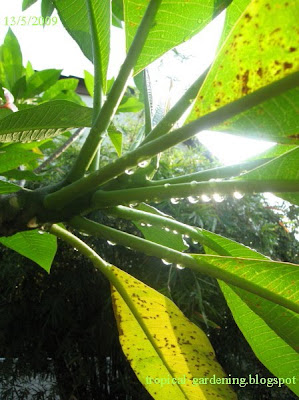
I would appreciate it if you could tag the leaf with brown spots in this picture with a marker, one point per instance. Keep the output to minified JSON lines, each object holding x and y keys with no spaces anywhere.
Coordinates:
{"x":275,"y":119}
{"x":255,"y":54}
{"x":161,"y":343}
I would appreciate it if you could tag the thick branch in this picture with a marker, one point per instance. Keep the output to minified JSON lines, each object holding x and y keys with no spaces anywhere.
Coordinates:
{"x":102,"y":198}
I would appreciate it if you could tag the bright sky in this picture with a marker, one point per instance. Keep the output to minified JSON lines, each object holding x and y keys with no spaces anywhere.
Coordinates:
{"x":52,"y":47}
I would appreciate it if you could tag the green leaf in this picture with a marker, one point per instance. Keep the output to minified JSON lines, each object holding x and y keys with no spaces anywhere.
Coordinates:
{"x":11,"y":64}
{"x":158,"y":235}
{"x":116,"y":138}
{"x":99,"y":21}
{"x":273,"y":351}
{"x":89,"y":82}
{"x":176,"y":22}
{"x":19,"y":88}
{"x":7,"y":187}
{"x":276,"y":279}
{"x":44,"y":121}
{"x":29,"y":71}
{"x":27,"y":3}
{"x":273,"y":152}
{"x":11,"y":158}
{"x":265,"y":32}
{"x":130,"y":105}
{"x":47,"y":8}
{"x":282,"y":168}
{"x":118,"y":11}
{"x":4,"y":112}
{"x":63,"y":85}
{"x":261,"y":121}
{"x":2,"y":95}
{"x":41,"y":81}
{"x":283,"y":322}
{"x":161,"y":343}
{"x":74,"y":16}
{"x":38,"y":246}
{"x":232,"y":14}
{"x":69,"y":95}
{"x":19,"y":175}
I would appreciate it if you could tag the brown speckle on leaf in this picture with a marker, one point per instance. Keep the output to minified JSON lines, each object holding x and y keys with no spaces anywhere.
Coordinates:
{"x":245,"y":88}
{"x":260,"y":72}
{"x":287,"y":65}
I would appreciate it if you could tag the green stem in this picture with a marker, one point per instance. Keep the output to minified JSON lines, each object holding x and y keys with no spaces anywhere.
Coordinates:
{"x":157,"y":250}
{"x":195,"y":234}
{"x":109,"y":108}
{"x":213,"y":173}
{"x":96,"y":49}
{"x":102,"y":198}
{"x":62,"y":197}
{"x":94,"y":166}
{"x":82,"y":247}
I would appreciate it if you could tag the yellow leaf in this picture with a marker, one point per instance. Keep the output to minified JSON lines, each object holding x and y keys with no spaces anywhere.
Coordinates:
{"x":261,"y":49}
{"x":170,"y":355}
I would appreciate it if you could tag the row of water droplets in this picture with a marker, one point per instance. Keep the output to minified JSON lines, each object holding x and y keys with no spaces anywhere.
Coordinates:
{"x":204,"y":197}
{"x":218,"y":198}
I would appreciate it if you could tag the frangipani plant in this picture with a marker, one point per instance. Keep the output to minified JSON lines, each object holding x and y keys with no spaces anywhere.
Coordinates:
{"x":251,"y":89}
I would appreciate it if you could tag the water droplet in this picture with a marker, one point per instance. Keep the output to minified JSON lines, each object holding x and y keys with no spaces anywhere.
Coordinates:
{"x":133,"y":204}
{"x":215,"y":180}
{"x":185,"y":243}
{"x":75,"y":249}
{"x":192,"y":200}
{"x":238,"y":195}
{"x":149,"y":225}
{"x":178,"y":266}
{"x":41,"y":232}
{"x":167,"y":229}
{"x":193,"y":183}
{"x":143,"y":224}
{"x":218,"y":197}
{"x":167,"y":185}
{"x":205,"y":198}
{"x":174,"y":200}
{"x":143,"y":164}
{"x":129,"y":171}
{"x":111,"y":243}
{"x":175,"y":232}
{"x":186,"y":236}
{"x":194,"y":241}
{"x":166,"y":262}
